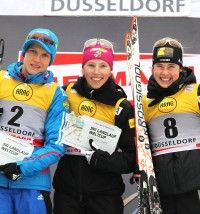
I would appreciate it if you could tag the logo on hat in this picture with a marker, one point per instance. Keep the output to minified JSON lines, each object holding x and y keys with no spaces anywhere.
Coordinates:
{"x":98,"y":51}
{"x":165,"y":52}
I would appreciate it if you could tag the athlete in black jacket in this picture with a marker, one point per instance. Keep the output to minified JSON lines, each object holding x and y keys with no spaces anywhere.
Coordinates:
{"x":95,"y":185}
{"x":171,"y":109}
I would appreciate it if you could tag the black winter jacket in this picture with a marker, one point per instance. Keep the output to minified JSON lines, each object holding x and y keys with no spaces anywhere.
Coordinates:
{"x":75,"y":176}
{"x":176,"y":172}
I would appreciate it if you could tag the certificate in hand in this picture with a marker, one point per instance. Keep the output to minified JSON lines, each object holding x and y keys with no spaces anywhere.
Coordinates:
{"x":79,"y":130}
{"x":13,"y":149}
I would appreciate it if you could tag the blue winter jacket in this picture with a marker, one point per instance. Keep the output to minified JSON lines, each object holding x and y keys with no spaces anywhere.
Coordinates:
{"x":34,"y":110}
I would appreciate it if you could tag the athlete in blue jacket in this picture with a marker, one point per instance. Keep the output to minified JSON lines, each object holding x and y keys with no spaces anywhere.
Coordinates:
{"x":33,"y":110}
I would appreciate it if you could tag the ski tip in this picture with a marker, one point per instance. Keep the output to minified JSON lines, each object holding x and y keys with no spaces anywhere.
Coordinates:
{"x":133,"y":25}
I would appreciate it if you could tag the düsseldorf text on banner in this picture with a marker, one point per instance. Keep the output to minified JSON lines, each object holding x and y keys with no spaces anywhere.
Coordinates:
{"x":164,"y":8}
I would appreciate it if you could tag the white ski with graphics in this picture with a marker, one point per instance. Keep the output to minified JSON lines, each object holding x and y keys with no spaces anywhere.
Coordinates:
{"x":149,"y":201}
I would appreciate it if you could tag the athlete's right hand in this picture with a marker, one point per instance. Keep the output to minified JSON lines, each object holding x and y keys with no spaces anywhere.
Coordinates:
{"x":11,"y":171}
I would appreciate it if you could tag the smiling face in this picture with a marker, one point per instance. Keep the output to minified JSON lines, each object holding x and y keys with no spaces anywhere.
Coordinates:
{"x":96,"y":72}
{"x":166,"y":73}
{"x":36,"y":60}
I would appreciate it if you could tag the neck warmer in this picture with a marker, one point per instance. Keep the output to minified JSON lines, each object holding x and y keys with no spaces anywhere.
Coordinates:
{"x":109,"y":93}
{"x":156,"y":92}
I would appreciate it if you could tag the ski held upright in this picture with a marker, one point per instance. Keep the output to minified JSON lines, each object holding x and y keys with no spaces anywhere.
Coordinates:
{"x":149,"y":201}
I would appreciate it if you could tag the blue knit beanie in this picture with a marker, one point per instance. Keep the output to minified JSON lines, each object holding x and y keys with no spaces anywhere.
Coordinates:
{"x":45,"y":38}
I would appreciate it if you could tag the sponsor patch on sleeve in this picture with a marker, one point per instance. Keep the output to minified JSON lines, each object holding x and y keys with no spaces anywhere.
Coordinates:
{"x":131,"y":123}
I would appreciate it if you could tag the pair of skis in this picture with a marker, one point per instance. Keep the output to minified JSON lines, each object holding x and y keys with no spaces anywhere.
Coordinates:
{"x":149,"y":201}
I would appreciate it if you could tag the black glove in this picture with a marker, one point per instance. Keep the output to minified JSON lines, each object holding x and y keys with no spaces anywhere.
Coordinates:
{"x":136,"y":175}
{"x":88,"y":154}
{"x":96,"y":154}
{"x":11,"y":171}
{"x":93,"y":146}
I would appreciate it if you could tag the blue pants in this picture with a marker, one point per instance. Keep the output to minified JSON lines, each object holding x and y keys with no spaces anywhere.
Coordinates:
{"x":21,"y":201}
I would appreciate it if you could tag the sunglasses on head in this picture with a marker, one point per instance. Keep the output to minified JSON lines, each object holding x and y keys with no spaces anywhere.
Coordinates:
{"x":171,"y":42}
{"x":43,"y":38}
{"x":102,"y":42}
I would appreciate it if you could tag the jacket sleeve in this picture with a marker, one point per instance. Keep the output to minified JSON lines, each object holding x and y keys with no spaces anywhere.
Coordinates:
{"x":123,"y":160}
{"x":52,"y":150}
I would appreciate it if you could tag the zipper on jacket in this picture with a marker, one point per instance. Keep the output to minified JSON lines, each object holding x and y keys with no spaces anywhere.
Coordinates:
{"x":91,"y":93}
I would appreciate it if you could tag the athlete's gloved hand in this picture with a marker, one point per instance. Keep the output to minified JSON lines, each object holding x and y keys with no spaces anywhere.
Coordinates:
{"x":11,"y":171}
{"x":136,"y":175}
{"x":94,"y":154}
{"x":88,"y":154}
{"x":97,"y":156}
{"x":93,"y":146}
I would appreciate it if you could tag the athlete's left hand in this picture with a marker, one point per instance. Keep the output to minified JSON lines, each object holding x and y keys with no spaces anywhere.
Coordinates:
{"x":11,"y":171}
{"x":136,"y":175}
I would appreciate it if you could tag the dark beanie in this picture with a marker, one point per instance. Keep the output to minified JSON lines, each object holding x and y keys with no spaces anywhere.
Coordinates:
{"x":168,"y":53}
